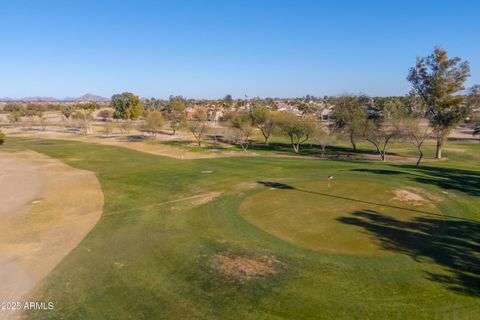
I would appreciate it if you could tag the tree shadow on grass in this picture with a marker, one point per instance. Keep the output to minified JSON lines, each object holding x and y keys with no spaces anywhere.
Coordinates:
{"x":452,"y":244}
{"x":275,"y":185}
{"x":466,"y":181}
{"x":278,"y":185}
{"x":379,"y":171}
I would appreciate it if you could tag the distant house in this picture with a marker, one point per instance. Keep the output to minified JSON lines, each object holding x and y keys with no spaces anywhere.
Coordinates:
{"x":286,"y":107}
{"x":326,"y":114}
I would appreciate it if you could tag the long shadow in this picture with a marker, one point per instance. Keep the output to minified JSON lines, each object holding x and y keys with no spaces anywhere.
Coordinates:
{"x":452,"y":244}
{"x":275,"y":185}
{"x":309,"y":149}
{"x":278,"y":185}
{"x":466,"y":181}
{"x":379,"y":171}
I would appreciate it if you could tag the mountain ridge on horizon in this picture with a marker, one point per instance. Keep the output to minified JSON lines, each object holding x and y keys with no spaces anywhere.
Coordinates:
{"x":86,"y":97}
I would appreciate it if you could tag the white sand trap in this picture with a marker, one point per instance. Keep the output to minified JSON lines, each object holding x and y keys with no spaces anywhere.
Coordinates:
{"x":46,"y":209}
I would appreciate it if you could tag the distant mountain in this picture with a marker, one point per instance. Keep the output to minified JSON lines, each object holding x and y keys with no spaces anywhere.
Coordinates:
{"x":88,"y":97}
{"x":39,"y":99}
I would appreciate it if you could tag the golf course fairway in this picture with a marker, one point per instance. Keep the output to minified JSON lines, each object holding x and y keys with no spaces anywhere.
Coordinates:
{"x":266,"y":238}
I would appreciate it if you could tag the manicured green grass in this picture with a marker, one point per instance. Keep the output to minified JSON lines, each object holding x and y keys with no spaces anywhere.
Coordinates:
{"x":151,"y":258}
{"x":310,"y":213}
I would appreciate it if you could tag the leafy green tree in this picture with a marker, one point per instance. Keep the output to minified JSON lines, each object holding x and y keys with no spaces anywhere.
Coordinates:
{"x":298,"y":129}
{"x":175,"y":112}
{"x":240,"y":128}
{"x":438,"y":80}
{"x":474,"y":96}
{"x":349,"y":117}
{"x":263,"y":119}
{"x":198,"y":126}
{"x":2,"y":138}
{"x":154,"y":104}
{"x":473,"y":101}
{"x":153,"y":123}
{"x":127,"y":106}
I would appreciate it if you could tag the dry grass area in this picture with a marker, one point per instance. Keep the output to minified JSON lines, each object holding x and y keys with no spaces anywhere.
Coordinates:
{"x":55,"y":208}
{"x":123,"y":141}
{"x":404,"y":195}
{"x":244,"y":268}
{"x":193,"y":201}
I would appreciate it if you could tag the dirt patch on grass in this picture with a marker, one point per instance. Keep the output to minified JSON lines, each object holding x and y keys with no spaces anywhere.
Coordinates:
{"x":197,"y":200}
{"x":244,"y":268}
{"x":36,"y":234}
{"x":404,"y":195}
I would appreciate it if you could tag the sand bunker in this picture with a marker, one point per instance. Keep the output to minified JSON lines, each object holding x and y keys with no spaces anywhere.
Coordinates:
{"x":244,"y":268}
{"x":46,"y":209}
{"x":20,"y":183}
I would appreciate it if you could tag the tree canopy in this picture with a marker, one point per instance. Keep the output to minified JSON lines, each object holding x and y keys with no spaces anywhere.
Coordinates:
{"x":439,"y":80}
{"x":298,"y":129}
{"x":127,"y":106}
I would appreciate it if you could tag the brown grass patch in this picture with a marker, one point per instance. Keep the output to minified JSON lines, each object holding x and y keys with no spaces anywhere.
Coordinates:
{"x":244,"y":268}
{"x":404,"y":195}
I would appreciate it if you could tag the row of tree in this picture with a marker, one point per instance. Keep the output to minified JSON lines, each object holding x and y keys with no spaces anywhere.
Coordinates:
{"x":437,"y":96}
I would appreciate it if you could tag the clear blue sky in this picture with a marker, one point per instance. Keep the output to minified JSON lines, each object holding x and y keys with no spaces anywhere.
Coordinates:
{"x":211,"y":48}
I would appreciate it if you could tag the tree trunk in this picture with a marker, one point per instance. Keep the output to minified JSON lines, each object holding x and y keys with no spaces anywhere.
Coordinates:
{"x":383,"y":156}
{"x":352,"y":141}
{"x":384,"y":150}
{"x":420,"y":156}
{"x":438,"y":153}
{"x":265,"y":137}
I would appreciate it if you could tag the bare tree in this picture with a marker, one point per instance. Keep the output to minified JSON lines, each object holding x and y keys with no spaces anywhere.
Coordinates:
{"x":324,"y":137}
{"x":198,"y":126}
{"x":380,"y":133}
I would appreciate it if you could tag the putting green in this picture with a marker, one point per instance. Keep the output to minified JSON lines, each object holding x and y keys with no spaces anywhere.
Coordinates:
{"x":316,"y":217}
